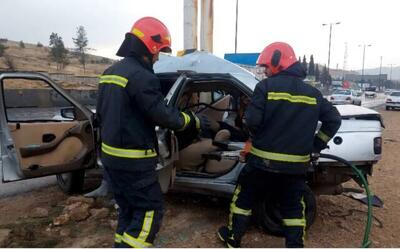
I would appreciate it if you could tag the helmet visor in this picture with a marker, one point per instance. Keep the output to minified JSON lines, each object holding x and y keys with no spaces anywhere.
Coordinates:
{"x":166,"y":50}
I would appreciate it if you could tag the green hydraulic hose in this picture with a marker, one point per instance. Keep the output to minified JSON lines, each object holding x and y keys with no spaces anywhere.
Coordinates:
{"x":366,"y":243}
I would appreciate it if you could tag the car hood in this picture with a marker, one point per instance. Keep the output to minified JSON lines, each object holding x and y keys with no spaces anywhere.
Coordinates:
{"x":352,"y":110}
{"x":393,"y":98}
{"x":204,"y":62}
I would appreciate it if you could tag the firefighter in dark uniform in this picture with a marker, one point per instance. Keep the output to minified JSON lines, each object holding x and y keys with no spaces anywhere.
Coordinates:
{"x":282,"y":118}
{"x":130,"y":105}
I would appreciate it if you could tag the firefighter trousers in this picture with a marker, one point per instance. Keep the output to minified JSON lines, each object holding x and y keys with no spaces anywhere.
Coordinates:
{"x":253,"y":184}
{"x":139,"y":197}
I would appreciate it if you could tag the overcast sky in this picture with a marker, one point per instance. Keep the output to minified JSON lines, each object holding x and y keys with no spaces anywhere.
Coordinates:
{"x":299,"y":23}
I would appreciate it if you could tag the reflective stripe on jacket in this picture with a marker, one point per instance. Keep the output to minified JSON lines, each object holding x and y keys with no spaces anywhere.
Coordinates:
{"x":283,"y":116}
{"x":129,"y":106}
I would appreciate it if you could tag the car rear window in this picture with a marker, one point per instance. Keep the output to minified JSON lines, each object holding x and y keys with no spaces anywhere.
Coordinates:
{"x":395,"y":94}
{"x":344,"y":92}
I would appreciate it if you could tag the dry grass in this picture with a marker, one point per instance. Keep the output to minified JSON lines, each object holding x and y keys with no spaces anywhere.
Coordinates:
{"x":33,"y":58}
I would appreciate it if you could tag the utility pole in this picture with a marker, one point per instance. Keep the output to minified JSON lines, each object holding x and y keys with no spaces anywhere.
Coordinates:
{"x":362,"y":72}
{"x":236,"y":27}
{"x":391,"y":65}
{"x":379,"y":76}
{"x":344,"y":60}
{"x":330,"y":36}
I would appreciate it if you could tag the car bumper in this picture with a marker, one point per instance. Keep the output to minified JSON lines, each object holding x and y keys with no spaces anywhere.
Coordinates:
{"x":393,"y":104}
{"x":341,"y":102}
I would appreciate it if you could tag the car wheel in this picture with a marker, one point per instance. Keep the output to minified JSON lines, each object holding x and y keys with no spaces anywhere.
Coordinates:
{"x":71,"y":182}
{"x":387,"y":108}
{"x":268,"y":216}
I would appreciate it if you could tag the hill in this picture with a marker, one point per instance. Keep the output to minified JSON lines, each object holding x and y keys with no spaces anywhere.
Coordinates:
{"x":384,"y":70}
{"x":35,"y":58}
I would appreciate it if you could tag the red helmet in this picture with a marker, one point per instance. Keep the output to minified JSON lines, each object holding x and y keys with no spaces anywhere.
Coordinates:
{"x":153,"y":33}
{"x":277,"y":56}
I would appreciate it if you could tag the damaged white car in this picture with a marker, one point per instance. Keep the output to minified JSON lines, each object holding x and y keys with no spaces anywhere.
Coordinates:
{"x":34,"y":144}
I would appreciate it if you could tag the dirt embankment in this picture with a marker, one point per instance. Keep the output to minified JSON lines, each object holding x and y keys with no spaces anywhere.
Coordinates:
{"x":191,"y":220}
{"x":34,"y":58}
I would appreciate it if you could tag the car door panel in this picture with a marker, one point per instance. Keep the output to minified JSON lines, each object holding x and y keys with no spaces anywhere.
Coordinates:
{"x":68,"y":148}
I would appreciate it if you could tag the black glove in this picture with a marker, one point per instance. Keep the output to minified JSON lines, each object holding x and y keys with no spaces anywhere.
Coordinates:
{"x":319,"y":145}
{"x":205,"y":125}
{"x":197,"y":124}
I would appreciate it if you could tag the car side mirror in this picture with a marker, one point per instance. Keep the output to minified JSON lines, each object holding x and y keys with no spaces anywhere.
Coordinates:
{"x":68,"y":113}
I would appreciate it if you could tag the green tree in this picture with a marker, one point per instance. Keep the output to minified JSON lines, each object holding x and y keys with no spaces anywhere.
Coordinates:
{"x":2,"y":49}
{"x":311,"y":66}
{"x":58,"y":52}
{"x":326,"y":78}
{"x":81,"y":43}
{"x":21,"y":44}
{"x":39,"y":45}
{"x":317,"y":74}
{"x":304,"y":63}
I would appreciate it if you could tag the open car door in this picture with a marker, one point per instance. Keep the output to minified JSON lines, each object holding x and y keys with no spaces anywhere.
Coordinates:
{"x":44,"y":131}
{"x":167,"y":141}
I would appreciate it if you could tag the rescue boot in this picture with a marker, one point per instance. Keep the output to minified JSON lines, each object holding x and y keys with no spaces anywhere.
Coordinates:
{"x":226,"y":236}
{"x":232,"y":234}
{"x":102,"y":191}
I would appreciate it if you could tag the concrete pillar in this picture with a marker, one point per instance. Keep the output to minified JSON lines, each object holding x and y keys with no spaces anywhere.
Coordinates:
{"x":190,"y":24}
{"x":207,"y":25}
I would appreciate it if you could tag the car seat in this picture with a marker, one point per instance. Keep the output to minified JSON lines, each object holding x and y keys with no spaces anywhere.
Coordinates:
{"x":191,"y":159}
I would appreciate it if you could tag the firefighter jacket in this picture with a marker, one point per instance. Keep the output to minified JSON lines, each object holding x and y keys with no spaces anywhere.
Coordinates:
{"x":283,"y":116}
{"x":129,"y":106}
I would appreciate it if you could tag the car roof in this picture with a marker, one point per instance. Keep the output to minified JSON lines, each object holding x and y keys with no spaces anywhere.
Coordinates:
{"x":204,"y":62}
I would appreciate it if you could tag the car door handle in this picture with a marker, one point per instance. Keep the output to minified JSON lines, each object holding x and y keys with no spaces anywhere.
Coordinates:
{"x":48,"y":137}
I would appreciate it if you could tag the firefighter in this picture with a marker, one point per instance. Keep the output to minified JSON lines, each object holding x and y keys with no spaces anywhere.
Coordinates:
{"x":282,"y":117}
{"x":129,"y":106}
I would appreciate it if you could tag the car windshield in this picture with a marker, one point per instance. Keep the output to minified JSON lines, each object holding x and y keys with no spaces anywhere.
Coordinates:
{"x":395,"y":94}
{"x":342,"y":92}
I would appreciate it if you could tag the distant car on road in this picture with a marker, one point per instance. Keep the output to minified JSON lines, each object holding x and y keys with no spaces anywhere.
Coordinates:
{"x":393,"y":100}
{"x":388,"y":91}
{"x":345,"y":96}
{"x":370,"y":92}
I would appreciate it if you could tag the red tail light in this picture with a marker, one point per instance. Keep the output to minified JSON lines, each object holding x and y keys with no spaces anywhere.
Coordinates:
{"x":378,"y":145}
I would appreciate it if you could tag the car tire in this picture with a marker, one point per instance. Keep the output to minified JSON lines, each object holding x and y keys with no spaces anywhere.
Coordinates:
{"x":71,"y":182}
{"x":387,"y":108}
{"x":268,"y":216}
